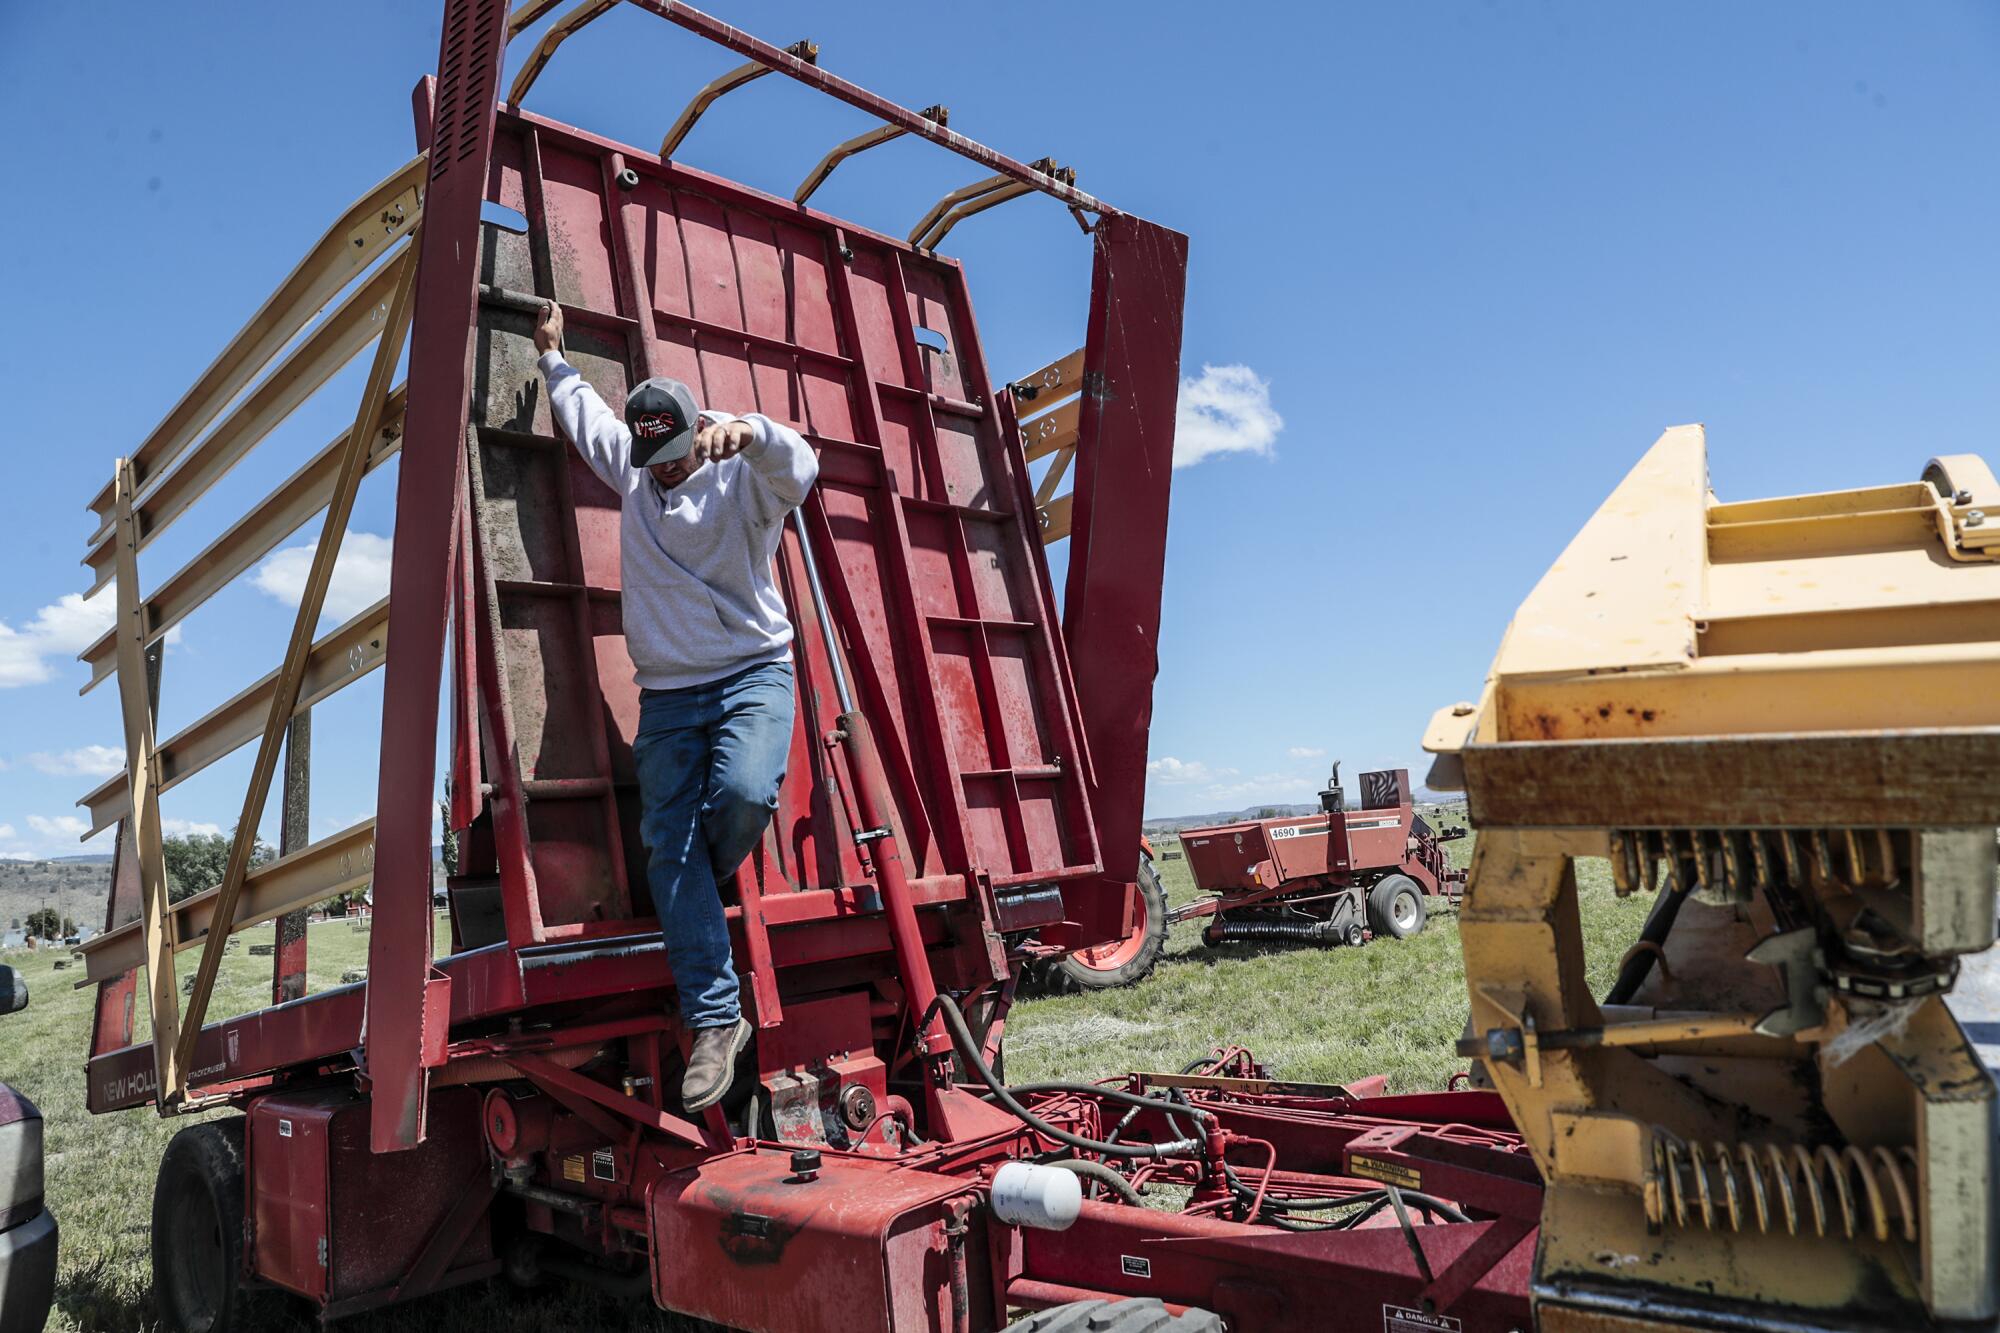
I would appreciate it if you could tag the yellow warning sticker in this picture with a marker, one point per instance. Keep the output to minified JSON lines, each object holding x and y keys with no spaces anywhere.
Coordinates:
{"x":573,"y":1169}
{"x":1389,"y":1173}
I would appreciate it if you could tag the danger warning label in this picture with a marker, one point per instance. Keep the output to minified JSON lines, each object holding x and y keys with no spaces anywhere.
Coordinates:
{"x":1402,"y":1319}
{"x":1389,"y":1173}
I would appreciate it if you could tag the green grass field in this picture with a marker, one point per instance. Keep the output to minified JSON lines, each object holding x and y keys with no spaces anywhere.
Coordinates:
{"x":1325,"y":1015}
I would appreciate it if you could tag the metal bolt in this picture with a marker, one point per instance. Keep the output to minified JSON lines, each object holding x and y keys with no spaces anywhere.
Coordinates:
{"x":805,"y":1165}
{"x":628,"y":179}
{"x":1974,"y":517}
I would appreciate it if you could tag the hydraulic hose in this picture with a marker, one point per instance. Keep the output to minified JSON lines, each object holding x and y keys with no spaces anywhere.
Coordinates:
{"x":1640,"y":965}
{"x":968,"y":1050}
{"x":1102,"y":1174}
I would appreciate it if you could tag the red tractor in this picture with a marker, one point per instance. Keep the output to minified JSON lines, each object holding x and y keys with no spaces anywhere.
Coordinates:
{"x":1338,"y":877}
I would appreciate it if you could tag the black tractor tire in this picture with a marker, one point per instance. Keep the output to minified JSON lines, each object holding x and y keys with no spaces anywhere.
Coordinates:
{"x":198,"y":1234}
{"x":1131,"y":960}
{"x":1140,"y":1315}
{"x":1396,"y":906}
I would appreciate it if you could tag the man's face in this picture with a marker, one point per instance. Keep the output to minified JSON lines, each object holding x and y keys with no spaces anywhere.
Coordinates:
{"x":670,"y":475}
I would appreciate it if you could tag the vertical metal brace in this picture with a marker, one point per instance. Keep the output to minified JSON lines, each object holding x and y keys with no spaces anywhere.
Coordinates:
{"x":285,"y":692}
{"x":144,"y":773}
{"x":288,"y":957}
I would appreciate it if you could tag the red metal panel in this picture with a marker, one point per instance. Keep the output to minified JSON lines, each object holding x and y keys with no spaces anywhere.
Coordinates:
{"x":930,"y":560}
{"x":289,"y":1207}
{"x":740,"y":1240}
{"x":399,"y":948}
{"x":336,"y":1223}
{"x":1118,"y":542}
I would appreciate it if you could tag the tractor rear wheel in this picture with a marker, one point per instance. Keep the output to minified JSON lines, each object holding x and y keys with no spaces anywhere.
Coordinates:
{"x":1121,"y":962}
{"x":1140,"y":1315}
{"x":198,"y":1233}
{"x":1396,"y":907}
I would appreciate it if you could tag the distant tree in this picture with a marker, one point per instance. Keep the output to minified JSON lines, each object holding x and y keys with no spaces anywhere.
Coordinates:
{"x":69,"y":927}
{"x":44,"y":923}
{"x":198,"y":861}
{"x":449,"y":851}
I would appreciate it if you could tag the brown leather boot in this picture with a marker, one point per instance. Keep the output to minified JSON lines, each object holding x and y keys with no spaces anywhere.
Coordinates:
{"x":712,"y":1064}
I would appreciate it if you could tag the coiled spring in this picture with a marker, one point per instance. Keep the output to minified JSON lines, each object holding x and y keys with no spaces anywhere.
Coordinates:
{"x":1823,"y":1190}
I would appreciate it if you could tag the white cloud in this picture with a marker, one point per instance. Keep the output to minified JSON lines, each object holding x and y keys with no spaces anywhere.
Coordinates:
{"x":48,"y":838}
{"x":61,"y":826}
{"x":90,"y":761}
{"x":63,"y":628}
{"x":1306,"y":752}
{"x":1223,"y":410}
{"x":181,"y":828}
{"x":1174,"y":771}
{"x":360,"y":575}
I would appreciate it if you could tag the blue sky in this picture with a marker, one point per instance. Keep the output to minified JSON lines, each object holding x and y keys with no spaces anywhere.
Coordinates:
{"x":1454,"y":266}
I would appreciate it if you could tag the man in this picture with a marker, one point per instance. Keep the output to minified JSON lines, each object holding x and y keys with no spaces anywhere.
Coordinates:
{"x":704,"y":500}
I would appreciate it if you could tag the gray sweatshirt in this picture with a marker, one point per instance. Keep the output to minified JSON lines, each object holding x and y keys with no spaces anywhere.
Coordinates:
{"x":699,"y":601}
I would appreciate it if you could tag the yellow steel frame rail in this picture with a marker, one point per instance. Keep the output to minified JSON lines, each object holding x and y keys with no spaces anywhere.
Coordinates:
{"x":860,"y":143}
{"x":291,"y":676}
{"x":151,"y":489}
{"x":747,"y":72}
{"x":367,"y":229}
{"x":1052,"y":393}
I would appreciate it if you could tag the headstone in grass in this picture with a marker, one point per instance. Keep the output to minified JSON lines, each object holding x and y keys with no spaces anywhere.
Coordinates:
{"x":262,"y":950}
{"x":353,"y":974}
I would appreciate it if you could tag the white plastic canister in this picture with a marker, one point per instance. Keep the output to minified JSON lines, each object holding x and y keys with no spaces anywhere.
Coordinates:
{"x":1047,"y":1198}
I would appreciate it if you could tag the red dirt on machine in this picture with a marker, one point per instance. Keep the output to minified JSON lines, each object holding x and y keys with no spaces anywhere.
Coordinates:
{"x":967,"y":771}
{"x":1337,"y":877}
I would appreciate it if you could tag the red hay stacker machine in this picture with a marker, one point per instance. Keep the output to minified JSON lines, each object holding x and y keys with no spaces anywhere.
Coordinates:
{"x":1337,"y":877}
{"x":963,"y":772}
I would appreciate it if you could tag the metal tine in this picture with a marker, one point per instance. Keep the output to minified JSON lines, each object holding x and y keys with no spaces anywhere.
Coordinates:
{"x":1857,"y":860}
{"x":1822,"y":854}
{"x":1732,"y":864}
{"x":1649,"y":862}
{"x":1762,"y":856}
{"x":1621,"y":866}
{"x":1673,"y":861}
{"x":1891,"y":876}
{"x":1794,"y":857}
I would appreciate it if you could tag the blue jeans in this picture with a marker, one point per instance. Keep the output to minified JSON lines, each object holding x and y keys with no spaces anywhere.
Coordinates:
{"x":710,"y":760}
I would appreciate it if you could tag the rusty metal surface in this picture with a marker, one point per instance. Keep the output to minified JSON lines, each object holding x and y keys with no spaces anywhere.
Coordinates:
{"x":399,"y":947}
{"x":742,"y":1241}
{"x":1860,"y":778}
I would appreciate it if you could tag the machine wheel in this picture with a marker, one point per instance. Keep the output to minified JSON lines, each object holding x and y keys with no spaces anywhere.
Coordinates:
{"x":1353,"y":935}
{"x":198,"y":1232}
{"x":1123,"y":962}
{"x":1396,"y":907}
{"x":1144,"y":1315}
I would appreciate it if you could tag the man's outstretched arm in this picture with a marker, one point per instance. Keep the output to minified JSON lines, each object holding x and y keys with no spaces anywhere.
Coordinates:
{"x":592,"y":427}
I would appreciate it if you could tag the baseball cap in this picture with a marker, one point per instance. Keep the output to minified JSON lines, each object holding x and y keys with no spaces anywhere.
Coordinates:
{"x":662,"y":416}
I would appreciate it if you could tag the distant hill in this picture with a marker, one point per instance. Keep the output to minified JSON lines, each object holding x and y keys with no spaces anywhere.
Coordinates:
{"x":1453,"y":805}
{"x":76,"y":886}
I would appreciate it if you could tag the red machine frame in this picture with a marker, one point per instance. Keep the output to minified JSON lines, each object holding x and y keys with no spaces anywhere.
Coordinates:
{"x":962,"y":771}
{"x":1307,"y":876}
